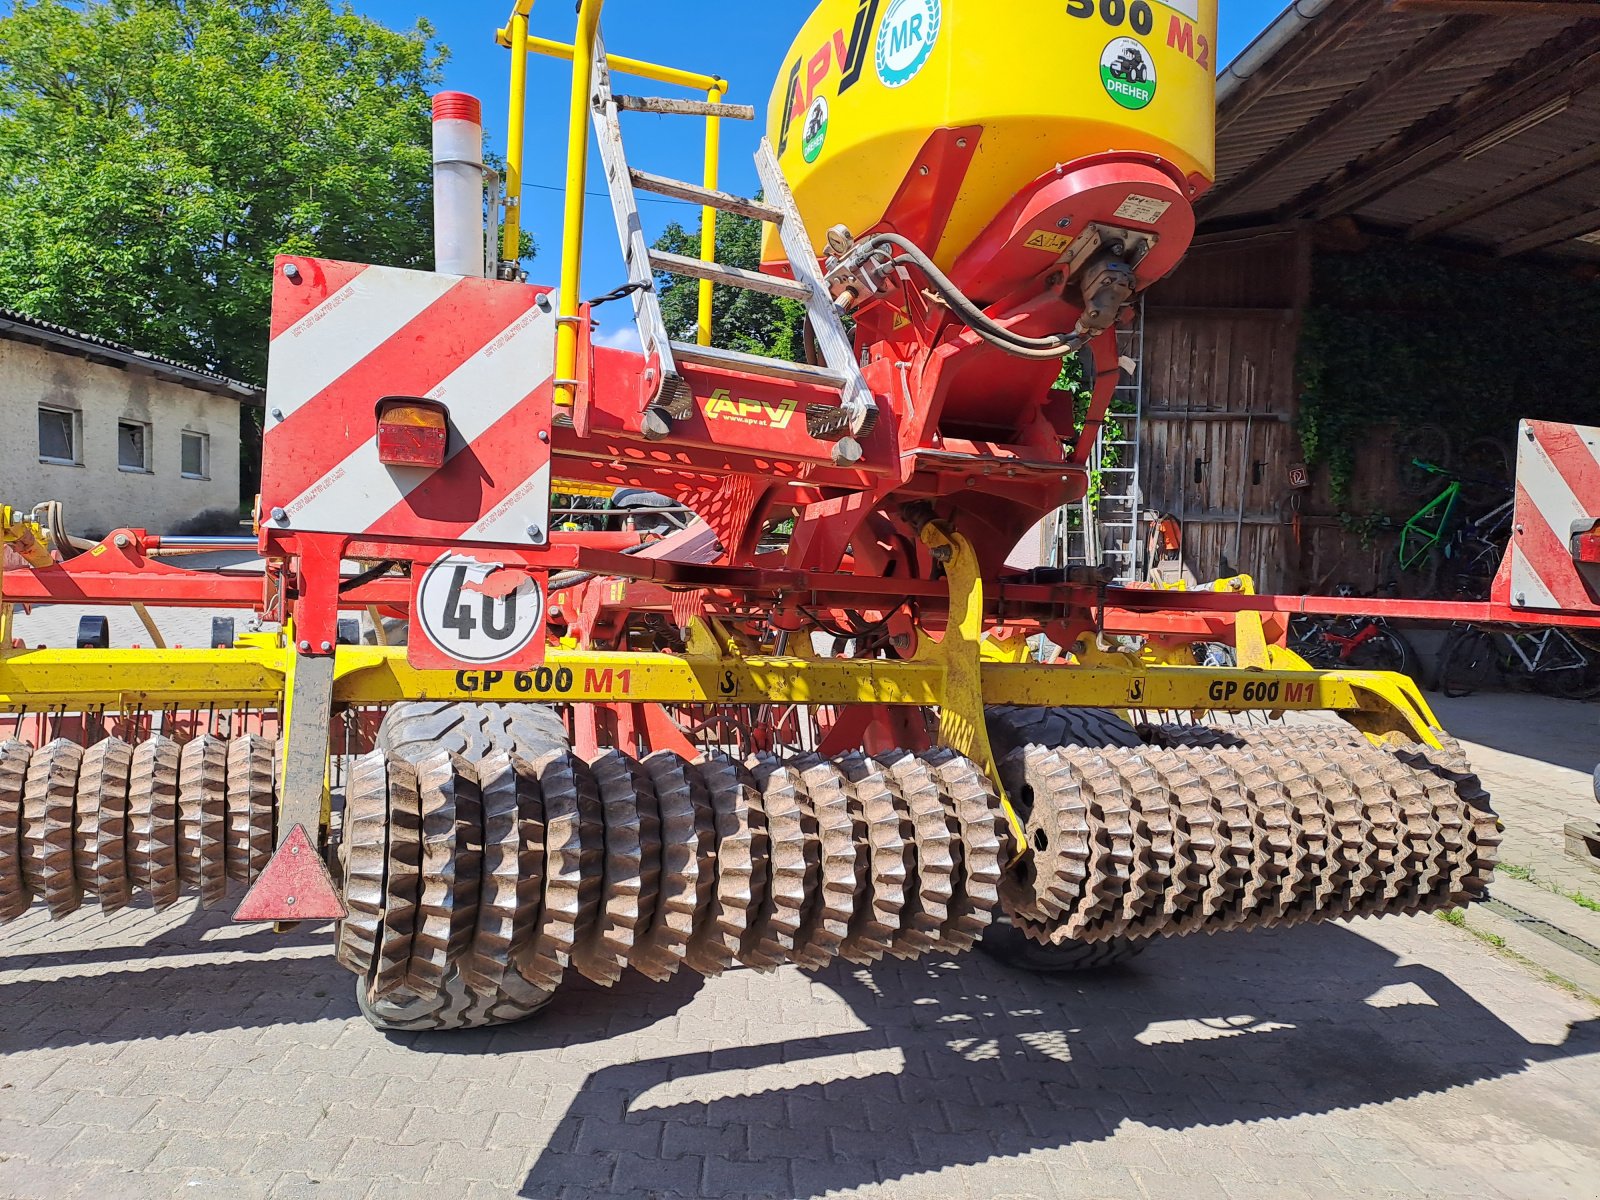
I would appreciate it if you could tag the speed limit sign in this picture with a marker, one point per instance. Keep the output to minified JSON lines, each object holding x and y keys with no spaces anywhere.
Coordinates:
{"x":472,"y":613}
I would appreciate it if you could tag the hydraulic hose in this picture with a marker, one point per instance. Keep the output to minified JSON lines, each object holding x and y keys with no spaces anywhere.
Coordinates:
{"x":1055,"y":346}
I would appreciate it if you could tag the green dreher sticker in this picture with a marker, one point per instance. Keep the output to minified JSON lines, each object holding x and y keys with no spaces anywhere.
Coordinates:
{"x":1128,"y":73}
{"x":816,"y":129}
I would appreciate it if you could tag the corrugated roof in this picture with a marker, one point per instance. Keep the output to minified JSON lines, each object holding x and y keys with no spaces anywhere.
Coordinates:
{"x":20,"y":327}
{"x":1401,"y":112}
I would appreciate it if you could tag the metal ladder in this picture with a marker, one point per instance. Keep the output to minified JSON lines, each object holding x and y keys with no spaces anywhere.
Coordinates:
{"x":1109,"y":532}
{"x":674,"y":401}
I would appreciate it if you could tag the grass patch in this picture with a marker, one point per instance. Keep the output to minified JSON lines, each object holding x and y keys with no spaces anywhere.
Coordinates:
{"x":1458,"y":918}
{"x":1527,"y":875}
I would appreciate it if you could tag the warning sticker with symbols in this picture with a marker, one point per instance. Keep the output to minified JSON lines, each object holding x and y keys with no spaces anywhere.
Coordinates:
{"x":1044,"y":239}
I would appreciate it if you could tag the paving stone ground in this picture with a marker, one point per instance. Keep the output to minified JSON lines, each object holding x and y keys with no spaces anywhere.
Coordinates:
{"x":1540,"y":755}
{"x":157,"y":1055}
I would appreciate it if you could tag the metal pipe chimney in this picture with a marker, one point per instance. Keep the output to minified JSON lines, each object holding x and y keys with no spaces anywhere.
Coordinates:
{"x":458,"y":237}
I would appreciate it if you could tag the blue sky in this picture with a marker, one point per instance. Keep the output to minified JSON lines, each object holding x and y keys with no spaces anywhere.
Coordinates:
{"x":744,"y":41}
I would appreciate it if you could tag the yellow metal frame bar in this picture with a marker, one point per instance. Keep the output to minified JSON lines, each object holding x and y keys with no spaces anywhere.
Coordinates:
{"x":516,"y":38}
{"x":1379,"y":703}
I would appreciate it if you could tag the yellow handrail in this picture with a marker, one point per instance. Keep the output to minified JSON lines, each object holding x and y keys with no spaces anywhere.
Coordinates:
{"x":708,"y":215}
{"x":516,"y":123}
{"x":581,"y":54}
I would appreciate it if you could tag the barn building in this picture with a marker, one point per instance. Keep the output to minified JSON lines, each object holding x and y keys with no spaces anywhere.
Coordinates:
{"x":120,"y":437}
{"x":1398,"y":260}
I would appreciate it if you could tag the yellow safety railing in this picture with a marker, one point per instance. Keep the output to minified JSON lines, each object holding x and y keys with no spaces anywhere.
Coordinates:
{"x":581,"y":54}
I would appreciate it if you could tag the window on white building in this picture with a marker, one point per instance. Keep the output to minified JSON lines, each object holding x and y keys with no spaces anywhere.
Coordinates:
{"x":196,"y":455}
{"x":58,"y":436}
{"x":133,"y":446}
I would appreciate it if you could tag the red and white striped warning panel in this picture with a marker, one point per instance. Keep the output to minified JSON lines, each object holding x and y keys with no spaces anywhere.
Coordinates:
{"x":347,"y":336}
{"x":1557,"y":515}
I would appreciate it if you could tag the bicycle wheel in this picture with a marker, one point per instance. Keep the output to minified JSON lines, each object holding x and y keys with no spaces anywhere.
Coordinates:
{"x":1385,"y":650}
{"x":1426,"y":443}
{"x":1486,"y":473}
{"x":1306,"y":639}
{"x":1468,"y":573}
{"x":1466,"y":662}
{"x":1578,"y":681}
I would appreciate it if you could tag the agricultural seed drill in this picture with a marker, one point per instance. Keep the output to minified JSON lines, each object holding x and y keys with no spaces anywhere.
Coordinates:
{"x":596,"y":750}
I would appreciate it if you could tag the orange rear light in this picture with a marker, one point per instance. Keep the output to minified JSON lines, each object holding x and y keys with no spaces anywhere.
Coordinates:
{"x":412,"y":432}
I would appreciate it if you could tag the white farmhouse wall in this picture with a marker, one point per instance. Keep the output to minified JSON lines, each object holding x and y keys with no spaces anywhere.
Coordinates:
{"x":98,"y":495}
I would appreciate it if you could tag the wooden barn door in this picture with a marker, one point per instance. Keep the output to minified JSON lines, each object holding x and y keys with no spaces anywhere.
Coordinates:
{"x":1219,"y":438}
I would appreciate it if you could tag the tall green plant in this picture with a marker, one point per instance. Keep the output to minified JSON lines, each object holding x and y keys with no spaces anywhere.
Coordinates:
{"x":156,"y":154}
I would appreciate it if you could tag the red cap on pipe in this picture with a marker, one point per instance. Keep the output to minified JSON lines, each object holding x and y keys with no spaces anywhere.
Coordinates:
{"x":457,"y":106}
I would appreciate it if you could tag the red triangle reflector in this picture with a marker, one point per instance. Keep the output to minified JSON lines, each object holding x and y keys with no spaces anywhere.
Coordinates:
{"x":295,"y":886}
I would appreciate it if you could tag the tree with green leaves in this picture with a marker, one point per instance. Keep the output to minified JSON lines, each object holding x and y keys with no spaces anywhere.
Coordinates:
{"x":741,"y":320}
{"x":155,"y":155}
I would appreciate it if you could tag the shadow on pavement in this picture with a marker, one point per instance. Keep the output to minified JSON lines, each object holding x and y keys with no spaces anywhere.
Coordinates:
{"x":963,"y":1060}
{"x":262,"y":979}
{"x":1562,"y":733}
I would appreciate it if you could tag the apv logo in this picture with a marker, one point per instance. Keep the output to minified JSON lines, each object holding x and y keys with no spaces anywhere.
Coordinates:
{"x":807,"y":76}
{"x":906,"y":39}
{"x":722,"y":406}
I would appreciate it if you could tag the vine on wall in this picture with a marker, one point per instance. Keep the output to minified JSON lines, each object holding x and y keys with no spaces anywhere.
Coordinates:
{"x":1399,"y":334}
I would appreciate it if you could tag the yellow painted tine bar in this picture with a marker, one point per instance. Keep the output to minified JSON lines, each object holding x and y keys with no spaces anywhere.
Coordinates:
{"x":83,"y":680}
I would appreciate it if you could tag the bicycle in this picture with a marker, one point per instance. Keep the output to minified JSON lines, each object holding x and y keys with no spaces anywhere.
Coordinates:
{"x":1471,"y":557}
{"x":1360,"y":643}
{"x":1478,"y":543}
{"x":1548,"y":660}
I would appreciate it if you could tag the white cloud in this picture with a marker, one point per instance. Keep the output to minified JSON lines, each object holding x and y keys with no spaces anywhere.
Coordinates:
{"x":623,"y":337}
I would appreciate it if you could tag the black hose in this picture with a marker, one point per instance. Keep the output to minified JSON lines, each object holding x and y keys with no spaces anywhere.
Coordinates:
{"x":376,"y":571}
{"x":1055,"y":346}
{"x":571,"y":579}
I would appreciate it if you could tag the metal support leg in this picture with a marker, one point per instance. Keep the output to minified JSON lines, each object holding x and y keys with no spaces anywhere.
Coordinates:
{"x":307,"y":713}
{"x":962,"y":727}
{"x":296,"y":885}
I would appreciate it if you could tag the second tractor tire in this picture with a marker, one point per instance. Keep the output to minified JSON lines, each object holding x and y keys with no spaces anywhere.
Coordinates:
{"x":1011,"y":727}
{"x":1005,"y":943}
{"x":413,"y":730}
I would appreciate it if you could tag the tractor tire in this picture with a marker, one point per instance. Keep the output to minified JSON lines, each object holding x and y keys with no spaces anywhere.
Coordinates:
{"x":414,"y":729}
{"x":453,"y":1006}
{"x":1007,"y":944}
{"x":1011,"y":728}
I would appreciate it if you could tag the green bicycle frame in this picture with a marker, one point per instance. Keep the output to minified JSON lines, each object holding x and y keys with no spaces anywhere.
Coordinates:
{"x":1427,"y":526}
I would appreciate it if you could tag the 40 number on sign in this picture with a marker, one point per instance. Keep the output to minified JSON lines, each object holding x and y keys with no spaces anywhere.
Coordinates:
{"x":470,"y":613}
